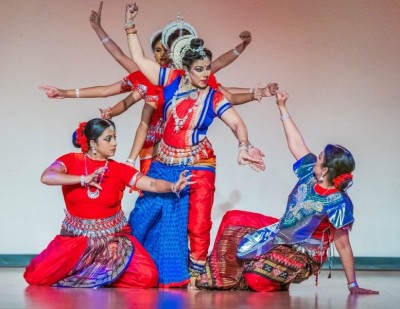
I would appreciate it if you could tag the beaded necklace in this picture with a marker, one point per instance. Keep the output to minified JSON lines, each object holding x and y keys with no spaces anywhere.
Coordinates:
{"x":95,"y":194}
{"x":179,"y":122}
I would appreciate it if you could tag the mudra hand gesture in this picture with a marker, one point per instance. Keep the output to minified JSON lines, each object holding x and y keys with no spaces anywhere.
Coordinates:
{"x":130,"y":13}
{"x":52,"y":92}
{"x":246,"y":37}
{"x":94,"y":178}
{"x":95,"y":17}
{"x":256,"y":162}
{"x":182,"y":182}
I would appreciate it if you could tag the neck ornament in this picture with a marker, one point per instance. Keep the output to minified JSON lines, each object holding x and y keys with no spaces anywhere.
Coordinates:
{"x":94,"y":194}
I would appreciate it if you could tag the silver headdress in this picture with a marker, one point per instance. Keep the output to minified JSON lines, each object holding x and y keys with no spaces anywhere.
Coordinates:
{"x":179,"y":24}
{"x":181,"y":46}
{"x":153,"y":37}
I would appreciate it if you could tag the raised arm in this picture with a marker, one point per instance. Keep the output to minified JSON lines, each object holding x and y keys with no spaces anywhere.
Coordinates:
{"x":231,"y":55}
{"x":294,"y":138}
{"x":343,"y":246}
{"x":148,"y":67}
{"x":115,"y":51}
{"x":89,"y":92}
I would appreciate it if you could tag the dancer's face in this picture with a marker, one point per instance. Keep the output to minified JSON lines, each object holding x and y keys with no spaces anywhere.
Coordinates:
{"x":199,"y":73}
{"x":106,"y":144}
{"x":160,"y":54}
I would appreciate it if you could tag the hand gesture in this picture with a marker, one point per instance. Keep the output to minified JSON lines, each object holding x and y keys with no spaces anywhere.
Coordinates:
{"x":182,"y":182}
{"x":94,"y":178}
{"x":105,"y":113}
{"x":281,"y":97}
{"x":52,"y":92}
{"x":244,"y":158}
{"x":270,"y":89}
{"x":246,"y":38}
{"x":130,"y":13}
{"x":358,"y":290}
{"x":258,"y":155}
{"x":95,"y":17}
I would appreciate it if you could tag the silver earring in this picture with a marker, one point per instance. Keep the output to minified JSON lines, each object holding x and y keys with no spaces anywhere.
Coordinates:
{"x":94,"y":150}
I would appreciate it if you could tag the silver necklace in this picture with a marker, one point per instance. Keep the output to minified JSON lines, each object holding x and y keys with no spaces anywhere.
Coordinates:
{"x":179,"y":122}
{"x":95,"y":194}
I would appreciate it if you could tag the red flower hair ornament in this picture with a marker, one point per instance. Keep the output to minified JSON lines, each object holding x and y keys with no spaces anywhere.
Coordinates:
{"x":337,"y":181}
{"x":81,"y":139}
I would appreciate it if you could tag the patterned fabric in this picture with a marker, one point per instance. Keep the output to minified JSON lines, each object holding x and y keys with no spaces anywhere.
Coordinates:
{"x":159,"y":222}
{"x":104,"y":259}
{"x":223,"y":268}
{"x":283,"y":264}
{"x":306,"y":210}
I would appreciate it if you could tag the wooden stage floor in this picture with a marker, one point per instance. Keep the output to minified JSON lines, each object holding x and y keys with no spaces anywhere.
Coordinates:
{"x":330,"y":293}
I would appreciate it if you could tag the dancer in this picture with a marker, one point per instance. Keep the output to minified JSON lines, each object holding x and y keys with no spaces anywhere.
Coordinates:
{"x":149,"y":130}
{"x":95,"y":247}
{"x":189,"y":109}
{"x":273,"y":253}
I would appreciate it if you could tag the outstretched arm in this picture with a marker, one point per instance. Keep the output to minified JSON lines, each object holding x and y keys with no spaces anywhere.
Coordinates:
{"x":148,"y":67}
{"x":343,"y":246}
{"x":115,"y":51}
{"x":294,"y":138}
{"x":90,"y":92}
{"x":248,"y":95}
{"x":141,"y":133}
{"x":121,"y":107}
{"x":228,"y":57}
{"x":149,"y":184}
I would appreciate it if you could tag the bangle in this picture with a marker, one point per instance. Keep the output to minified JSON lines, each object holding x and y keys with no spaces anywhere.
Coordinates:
{"x":131,"y":31}
{"x":235,"y":51}
{"x":105,"y":40}
{"x":83,"y":184}
{"x":174,"y":189}
{"x":129,"y":160}
{"x":129,"y":24}
{"x":352,"y":285}
{"x":77,"y":92}
{"x":285,"y":117}
{"x":251,"y":90}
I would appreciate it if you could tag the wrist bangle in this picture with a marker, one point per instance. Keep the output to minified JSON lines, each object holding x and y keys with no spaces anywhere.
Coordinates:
{"x":131,"y":161}
{"x":235,"y":51}
{"x":129,"y":24}
{"x":352,"y":285}
{"x":105,"y":40}
{"x":174,"y":189}
{"x":285,"y":117}
{"x":131,"y":31}
{"x":77,"y":92}
{"x":83,"y":181}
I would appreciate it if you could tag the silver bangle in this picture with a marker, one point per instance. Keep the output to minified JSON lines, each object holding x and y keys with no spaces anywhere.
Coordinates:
{"x":83,"y":181}
{"x":235,"y":51}
{"x":352,"y":285}
{"x":131,"y":161}
{"x":77,"y":92}
{"x":105,"y":40}
{"x":285,"y":117}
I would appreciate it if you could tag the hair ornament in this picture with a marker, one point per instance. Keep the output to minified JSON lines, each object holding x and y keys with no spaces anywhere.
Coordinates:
{"x":179,"y":24}
{"x":179,"y":48}
{"x":81,"y":139}
{"x":346,"y":177}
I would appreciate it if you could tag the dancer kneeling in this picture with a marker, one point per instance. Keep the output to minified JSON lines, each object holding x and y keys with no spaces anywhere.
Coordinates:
{"x":95,"y":247}
{"x":261,"y":253}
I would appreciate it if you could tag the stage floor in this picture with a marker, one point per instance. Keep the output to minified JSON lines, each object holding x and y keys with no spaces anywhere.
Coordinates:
{"x":330,"y":293}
